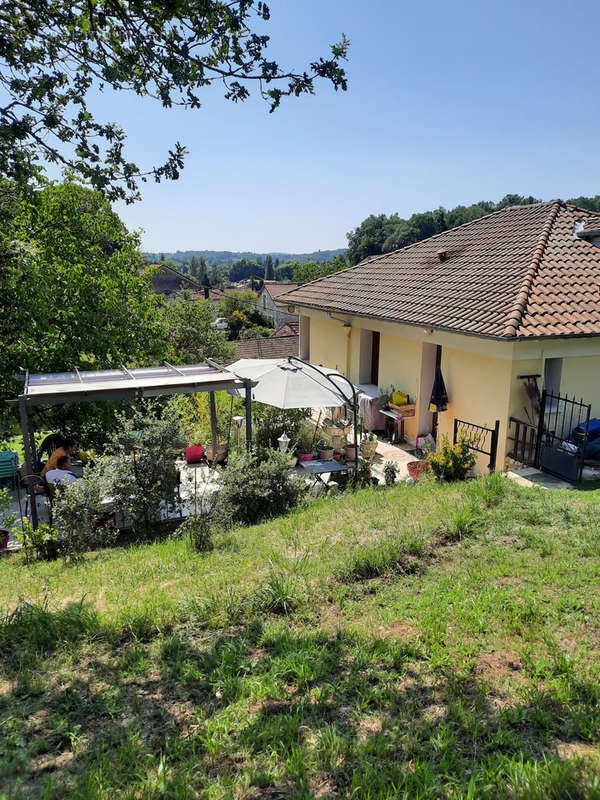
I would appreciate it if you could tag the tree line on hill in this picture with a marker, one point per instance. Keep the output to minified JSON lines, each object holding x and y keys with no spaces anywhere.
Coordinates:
{"x":246,"y":269}
{"x":379,"y":234}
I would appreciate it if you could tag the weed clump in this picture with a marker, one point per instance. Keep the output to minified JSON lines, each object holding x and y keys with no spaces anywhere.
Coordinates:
{"x":462,"y":520}
{"x":393,"y":554}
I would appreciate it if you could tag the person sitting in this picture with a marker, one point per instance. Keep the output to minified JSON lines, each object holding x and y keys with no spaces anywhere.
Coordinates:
{"x":67,"y":449}
{"x":61,"y":473}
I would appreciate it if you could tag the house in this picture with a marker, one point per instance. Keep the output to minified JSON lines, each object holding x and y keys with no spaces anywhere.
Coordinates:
{"x":510,"y":295}
{"x":170,"y":283}
{"x":268,"y":347}
{"x":288,"y":329}
{"x":268,"y":302}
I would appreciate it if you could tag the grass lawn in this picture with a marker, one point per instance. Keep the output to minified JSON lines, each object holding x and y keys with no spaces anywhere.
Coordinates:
{"x":418,"y":642}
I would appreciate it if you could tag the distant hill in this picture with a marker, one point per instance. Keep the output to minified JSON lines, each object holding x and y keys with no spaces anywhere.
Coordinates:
{"x":214,"y":257}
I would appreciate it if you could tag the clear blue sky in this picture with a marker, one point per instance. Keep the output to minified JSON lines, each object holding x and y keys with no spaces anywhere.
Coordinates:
{"x":447,"y":103}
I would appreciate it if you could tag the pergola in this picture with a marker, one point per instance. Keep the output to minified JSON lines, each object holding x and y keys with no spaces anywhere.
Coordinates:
{"x":123,"y":384}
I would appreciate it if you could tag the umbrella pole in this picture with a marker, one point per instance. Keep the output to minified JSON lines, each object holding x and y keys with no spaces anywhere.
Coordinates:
{"x":355,"y":412}
{"x":316,"y":429}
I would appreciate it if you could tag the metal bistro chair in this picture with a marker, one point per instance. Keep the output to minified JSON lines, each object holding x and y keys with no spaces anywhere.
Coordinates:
{"x":39,"y":486}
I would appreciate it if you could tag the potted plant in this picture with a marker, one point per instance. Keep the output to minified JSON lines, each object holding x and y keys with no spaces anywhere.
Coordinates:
{"x":222,"y":451}
{"x":324,"y":448}
{"x":368,"y":446}
{"x":194,"y":451}
{"x":6,"y":520}
{"x":390,"y":472}
{"x":350,"y":450}
{"x":304,"y":451}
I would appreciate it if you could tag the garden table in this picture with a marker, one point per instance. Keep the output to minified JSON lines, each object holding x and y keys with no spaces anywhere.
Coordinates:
{"x":318,"y":468}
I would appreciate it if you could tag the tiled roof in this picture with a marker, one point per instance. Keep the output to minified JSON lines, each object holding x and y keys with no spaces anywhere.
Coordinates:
{"x":269,"y":347}
{"x":519,"y":272}
{"x":288,"y":329}
{"x":166,"y":280}
{"x":275,"y":288}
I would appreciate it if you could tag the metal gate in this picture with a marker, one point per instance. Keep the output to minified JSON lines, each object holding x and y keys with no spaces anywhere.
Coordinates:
{"x":562,"y":435}
{"x":481,"y":439}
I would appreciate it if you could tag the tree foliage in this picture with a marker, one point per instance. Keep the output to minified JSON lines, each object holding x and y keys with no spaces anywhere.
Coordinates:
{"x":72,"y":288}
{"x":311,"y":271}
{"x":189,"y":333}
{"x":55,"y":55}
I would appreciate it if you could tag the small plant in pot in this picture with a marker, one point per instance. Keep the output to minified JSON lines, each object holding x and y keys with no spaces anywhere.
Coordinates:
{"x":390,"y":472}
{"x":325,"y":448}
{"x":304,"y":450}
{"x":368,"y":446}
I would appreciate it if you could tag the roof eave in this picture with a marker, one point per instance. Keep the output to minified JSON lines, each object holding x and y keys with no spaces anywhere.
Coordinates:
{"x":488,"y":336}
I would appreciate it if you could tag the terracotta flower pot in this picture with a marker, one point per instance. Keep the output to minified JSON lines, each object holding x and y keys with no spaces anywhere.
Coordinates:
{"x":368,"y":449}
{"x":415,"y":468}
{"x":222,"y":449}
{"x":304,"y":456}
{"x":325,"y":454}
{"x":350,"y":451}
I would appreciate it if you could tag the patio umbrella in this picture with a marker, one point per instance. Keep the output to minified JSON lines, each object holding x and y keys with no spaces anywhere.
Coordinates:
{"x":439,"y":396}
{"x":290,"y":383}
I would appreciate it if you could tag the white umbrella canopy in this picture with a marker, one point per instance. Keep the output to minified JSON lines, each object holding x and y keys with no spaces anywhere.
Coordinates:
{"x":289,"y":383}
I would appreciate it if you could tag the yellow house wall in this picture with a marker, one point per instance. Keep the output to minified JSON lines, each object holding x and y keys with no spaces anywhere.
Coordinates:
{"x":400,"y":366}
{"x":478,"y":391}
{"x":581,"y":377}
{"x":328,"y":343}
{"x":480,"y":374}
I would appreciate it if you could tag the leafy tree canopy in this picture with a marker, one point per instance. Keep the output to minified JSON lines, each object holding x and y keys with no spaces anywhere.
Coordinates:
{"x":311,"y":271}
{"x":72,"y":288}
{"x":189,"y":333}
{"x":54,"y":55}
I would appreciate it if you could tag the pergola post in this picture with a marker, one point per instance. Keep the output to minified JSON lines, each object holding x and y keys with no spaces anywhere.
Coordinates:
{"x":213,"y":426}
{"x":248,"y":384}
{"x":29,"y":454}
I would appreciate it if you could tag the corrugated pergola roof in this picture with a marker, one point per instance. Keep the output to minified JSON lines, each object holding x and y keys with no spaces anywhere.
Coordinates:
{"x":75,"y":387}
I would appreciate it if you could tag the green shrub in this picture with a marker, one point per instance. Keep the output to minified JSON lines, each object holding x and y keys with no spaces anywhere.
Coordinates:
{"x":144,"y":485}
{"x":451,"y":462}
{"x":270,"y":422}
{"x":253,"y":490}
{"x":81,"y":517}
{"x":41,"y":543}
{"x":199,"y":529}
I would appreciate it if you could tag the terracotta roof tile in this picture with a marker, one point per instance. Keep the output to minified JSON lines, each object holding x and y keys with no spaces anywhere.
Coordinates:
{"x":518,"y":272}
{"x":269,"y":347}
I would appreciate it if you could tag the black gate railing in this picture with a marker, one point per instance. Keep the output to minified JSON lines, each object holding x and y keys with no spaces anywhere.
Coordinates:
{"x":481,"y":439}
{"x":562,"y":435}
{"x":523,"y":436}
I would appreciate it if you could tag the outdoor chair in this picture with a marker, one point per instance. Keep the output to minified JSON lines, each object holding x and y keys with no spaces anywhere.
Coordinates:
{"x":9,"y":468}
{"x":39,"y":486}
